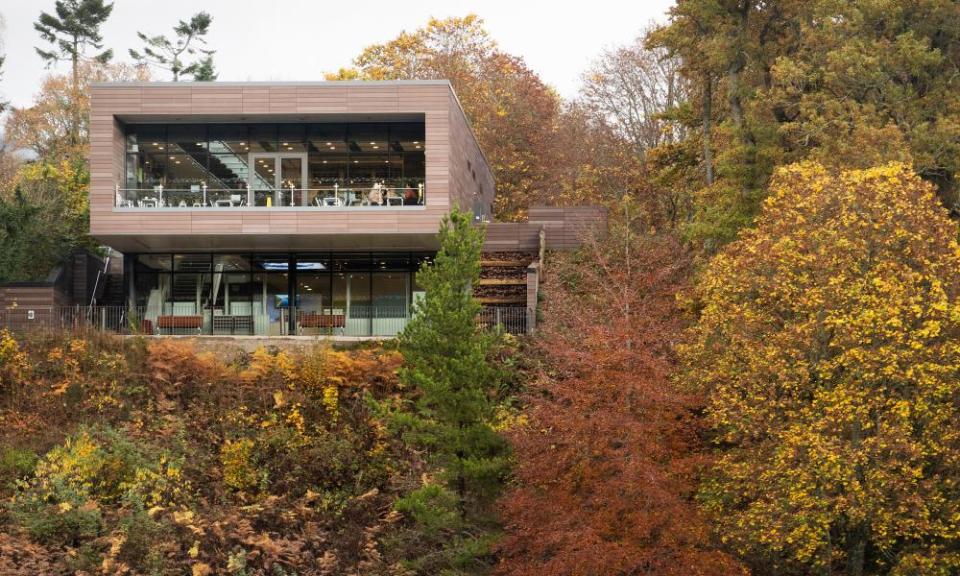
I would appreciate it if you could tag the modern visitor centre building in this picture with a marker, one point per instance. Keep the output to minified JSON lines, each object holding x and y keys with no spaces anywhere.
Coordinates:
{"x":278,"y":208}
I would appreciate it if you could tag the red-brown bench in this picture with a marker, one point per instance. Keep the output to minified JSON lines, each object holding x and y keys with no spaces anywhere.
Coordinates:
{"x":178,"y":322}
{"x":323,"y":321}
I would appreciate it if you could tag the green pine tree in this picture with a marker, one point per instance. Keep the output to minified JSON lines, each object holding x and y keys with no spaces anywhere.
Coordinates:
{"x":75,"y":26}
{"x":169,"y":55}
{"x":205,"y":71}
{"x":447,"y":358}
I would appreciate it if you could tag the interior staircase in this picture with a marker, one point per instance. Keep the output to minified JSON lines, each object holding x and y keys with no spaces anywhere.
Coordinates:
{"x":226,"y":166}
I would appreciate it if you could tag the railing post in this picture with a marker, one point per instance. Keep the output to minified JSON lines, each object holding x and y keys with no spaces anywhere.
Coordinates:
{"x":116,"y":196}
{"x":203,"y":187}
{"x":249,"y":195}
{"x":160,"y":193}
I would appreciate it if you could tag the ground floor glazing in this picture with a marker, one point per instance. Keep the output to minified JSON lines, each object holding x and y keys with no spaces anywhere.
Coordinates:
{"x":350,"y":294}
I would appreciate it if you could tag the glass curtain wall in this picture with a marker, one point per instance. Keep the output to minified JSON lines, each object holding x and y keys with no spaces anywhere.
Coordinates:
{"x":209,"y":164}
{"x":357,"y":294}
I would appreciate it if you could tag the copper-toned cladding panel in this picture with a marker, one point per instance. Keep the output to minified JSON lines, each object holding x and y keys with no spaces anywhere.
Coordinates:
{"x":457,"y":173}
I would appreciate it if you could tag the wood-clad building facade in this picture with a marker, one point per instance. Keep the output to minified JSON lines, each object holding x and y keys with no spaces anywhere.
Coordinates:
{"x":456,"y":173}
{"x":279,"y":208}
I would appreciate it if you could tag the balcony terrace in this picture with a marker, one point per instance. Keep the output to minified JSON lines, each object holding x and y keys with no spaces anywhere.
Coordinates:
{"x":377,"y":195}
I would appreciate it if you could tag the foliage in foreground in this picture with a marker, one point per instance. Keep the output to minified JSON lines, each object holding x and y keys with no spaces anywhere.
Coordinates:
{"x":129,"y":457}
{"x":606,"y":465}
{"x":828,"y":344}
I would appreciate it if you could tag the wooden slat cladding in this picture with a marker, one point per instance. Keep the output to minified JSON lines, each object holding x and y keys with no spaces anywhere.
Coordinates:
{"x":451,"y":152}
{"x":512,"y":237}
{"x":565,"y":226}
{"x":28,"y":297}
{"x":471,"y":179}
{"x":564,"y":229}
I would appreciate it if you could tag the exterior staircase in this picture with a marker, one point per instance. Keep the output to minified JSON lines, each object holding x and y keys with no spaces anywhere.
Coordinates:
{"x":503,"y":278}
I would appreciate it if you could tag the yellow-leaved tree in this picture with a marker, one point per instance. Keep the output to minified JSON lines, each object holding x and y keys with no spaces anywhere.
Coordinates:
{"x":829,"y":344}
{"x":512,"y":112}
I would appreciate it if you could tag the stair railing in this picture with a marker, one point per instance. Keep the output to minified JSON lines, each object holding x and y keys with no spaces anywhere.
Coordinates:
{"x":100,"y":274}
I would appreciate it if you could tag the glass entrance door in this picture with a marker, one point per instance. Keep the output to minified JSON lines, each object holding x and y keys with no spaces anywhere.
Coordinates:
{"x":278,"y":179}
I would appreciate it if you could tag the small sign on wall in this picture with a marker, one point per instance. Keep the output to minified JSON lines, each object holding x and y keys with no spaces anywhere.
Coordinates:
{"x":31,"y":315}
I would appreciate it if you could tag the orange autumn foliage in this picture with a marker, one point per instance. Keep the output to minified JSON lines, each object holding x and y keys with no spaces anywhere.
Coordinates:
{"x":606,"y":468}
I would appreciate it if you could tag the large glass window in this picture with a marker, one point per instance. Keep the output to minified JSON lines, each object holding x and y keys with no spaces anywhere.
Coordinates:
{"x":228,"y":139}
{"x":187,"y":138}
{"x":347,"y":163}
{"x":276,"y":294}
{"x":263,"y":138}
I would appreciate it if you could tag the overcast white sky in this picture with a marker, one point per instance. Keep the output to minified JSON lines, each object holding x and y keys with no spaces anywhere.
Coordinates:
{"x":302,"y":39}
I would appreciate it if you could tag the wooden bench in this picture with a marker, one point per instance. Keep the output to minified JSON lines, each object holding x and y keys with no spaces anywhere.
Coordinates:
{"x":180,"y":322}
{"x":321,"y":321}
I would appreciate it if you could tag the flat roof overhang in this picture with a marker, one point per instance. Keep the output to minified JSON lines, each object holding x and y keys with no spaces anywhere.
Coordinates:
{"x":131,"y":243}
{"x":278,"y":118}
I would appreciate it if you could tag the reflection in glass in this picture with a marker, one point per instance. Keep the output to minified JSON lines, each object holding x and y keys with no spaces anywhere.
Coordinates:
{"x":271,"y":304}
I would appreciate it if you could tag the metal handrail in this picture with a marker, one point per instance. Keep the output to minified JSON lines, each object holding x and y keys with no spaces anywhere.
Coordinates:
{"x":240,"y":190}
{"x":100,"y":274}
{"x":359,"y":194}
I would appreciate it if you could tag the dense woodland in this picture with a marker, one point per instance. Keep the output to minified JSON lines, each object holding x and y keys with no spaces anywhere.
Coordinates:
{"x":752,"y":370}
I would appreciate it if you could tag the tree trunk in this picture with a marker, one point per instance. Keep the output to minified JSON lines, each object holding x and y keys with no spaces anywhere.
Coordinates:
{"x":461,"y":477}
{"x":707,"y":114}
{"x":857,"y":535}
{"x":75,"y":95}
{"x":734,"y":70}
{"x":856,"y":552}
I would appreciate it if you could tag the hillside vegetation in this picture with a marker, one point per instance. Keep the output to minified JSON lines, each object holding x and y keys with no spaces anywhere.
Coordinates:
{"x":150,"y":458}
{"x":753,"y":369}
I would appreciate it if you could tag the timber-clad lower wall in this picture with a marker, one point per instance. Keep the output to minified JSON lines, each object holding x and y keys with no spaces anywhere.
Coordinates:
{"x":566,"y":226}
{"x":563,"y":227}
{"x":29,"y":296}
{"x":511,"y":237}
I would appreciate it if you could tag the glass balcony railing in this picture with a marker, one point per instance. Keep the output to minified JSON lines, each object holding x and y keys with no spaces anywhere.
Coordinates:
{"x":202,"y":197}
